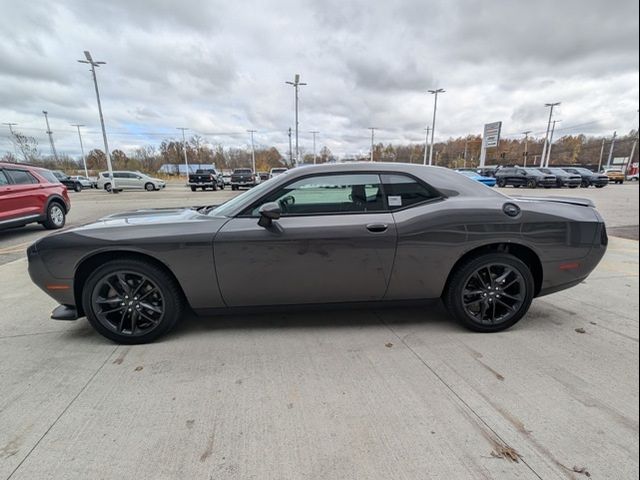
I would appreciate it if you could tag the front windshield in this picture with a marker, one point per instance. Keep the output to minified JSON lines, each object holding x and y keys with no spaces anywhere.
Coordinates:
{"x":468,"y":173}
{"x":583,"y":171}
{"x":557,"y":171}
{"x":533,"y":171}
{"x":248,"y":197}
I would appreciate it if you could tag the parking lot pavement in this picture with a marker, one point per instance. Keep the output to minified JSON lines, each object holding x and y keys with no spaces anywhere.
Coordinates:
{"x":376,"y":393}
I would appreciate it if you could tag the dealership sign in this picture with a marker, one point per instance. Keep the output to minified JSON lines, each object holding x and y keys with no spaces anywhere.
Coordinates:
{"x":490,"y":139}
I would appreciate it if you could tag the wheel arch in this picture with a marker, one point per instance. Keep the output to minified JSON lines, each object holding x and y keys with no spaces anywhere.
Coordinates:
{"x":58,"y":199}
{"x":522,"y":252}
{"x":93,"y":261}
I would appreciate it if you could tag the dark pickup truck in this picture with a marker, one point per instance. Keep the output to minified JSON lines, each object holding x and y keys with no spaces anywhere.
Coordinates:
{"x":67,"y":181}
{"x":243,"y":177}
{"x":204,"y":179}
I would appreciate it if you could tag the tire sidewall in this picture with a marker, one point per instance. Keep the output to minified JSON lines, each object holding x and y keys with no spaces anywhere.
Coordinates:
{"x":149,"y":187}
{"x":49,"y":223}
{"x":170,"y":293}
{"x":453,"y":294}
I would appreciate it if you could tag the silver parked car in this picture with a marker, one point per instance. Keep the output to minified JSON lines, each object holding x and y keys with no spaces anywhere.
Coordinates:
{"x":86,"y":182}
{"x":130,"y":180}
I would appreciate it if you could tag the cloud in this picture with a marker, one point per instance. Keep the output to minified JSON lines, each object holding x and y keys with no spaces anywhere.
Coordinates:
{"x":219,"y":68}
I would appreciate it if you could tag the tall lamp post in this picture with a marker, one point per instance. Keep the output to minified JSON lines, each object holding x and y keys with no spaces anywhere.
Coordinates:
{"x":553,"y":129}
{"x":433,"y":124}
{"x":426,"y":145}
{"x":373,"y":129}
{"x":253,"y":151}
{"x":50,"y":133}
{"x":526,"y":146}
{"x":89,"y":60}
{"x":546,"y":137}
{"x":84,"y":159}
{"x":315,"y":157}
{"x":184,"y":151}
{"x":296,"y":84}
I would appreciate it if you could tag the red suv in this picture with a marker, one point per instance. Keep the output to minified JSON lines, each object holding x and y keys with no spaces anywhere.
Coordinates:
{"x":30,"y":194}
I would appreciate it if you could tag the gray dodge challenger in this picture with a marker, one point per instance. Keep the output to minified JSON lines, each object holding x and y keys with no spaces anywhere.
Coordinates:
{"x":356,"y":233}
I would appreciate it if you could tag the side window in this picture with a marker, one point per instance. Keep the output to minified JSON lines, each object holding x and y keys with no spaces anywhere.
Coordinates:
{"x":21,"y":177}
{"x":403,"y":191}
{"x":328,"y":194}
{"x":120,"y":175}
{"x":3,"y":179}
{"x":49,"y":176}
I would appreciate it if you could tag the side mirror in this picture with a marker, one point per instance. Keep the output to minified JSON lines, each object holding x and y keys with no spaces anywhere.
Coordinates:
{"x":268,"y":213}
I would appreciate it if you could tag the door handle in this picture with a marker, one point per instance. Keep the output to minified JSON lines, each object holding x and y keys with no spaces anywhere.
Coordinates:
{"x":377,"y":227}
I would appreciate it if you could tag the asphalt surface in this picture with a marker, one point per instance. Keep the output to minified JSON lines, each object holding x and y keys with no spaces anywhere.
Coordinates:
{"x":375,"y":394}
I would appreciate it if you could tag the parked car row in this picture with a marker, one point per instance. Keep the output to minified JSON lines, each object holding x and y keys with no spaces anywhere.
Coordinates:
{"x":536,"y":177}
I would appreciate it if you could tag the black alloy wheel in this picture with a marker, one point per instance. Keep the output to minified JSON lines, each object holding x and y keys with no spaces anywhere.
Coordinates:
{"x":490,"y":293}
{"x":131,"y":301}
{"x":531,"y":183}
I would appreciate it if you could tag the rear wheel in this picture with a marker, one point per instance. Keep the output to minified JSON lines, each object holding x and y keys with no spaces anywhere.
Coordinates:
{"x":490,"y":292}
{"x":131,"y":301}
{"x":501,"y":182}
{"x":77,"y":187}
{"x":531,"y":183}
{"x":193,"y":189}
{"x":56,"y":216}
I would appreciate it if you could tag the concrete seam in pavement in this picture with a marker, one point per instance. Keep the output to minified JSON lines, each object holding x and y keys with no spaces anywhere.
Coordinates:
{"x":64,"y":411}
{"x":441,"y":380}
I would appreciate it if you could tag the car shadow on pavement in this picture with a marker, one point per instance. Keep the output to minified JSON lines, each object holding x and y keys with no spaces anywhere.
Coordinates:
{"x":325,"y":318}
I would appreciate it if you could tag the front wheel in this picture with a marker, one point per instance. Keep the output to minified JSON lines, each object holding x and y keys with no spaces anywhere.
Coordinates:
{"x":131,"y":301}
{"x":531,"y":184}
{"x":77,"y":187}
{"x":149,"y":187}
{"x":501,"y":183}
{"x":489,"y":293}
{"x":107,"y":187}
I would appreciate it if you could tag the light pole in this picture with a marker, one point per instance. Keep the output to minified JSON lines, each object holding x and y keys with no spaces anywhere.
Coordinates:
{"x":613,"y":144}
{"x":296,"y":83}
{"x":553,"y":129}
{"x":546,"y":137}
{"x":184,"y":150}
{"x":253,"y":151}
{"x":433,"y":124}
{"x":464,"y":155}
{"x":526,"y":146}
{"x":373,"y":129}
{"x":50,"y":133}
{"x":94,"y":64}
{"x":426,"y":145}
{"x":290,"y":149}
{"x":314,"y":133}
{"x":84,"y":160}
{"x":601,"y":155}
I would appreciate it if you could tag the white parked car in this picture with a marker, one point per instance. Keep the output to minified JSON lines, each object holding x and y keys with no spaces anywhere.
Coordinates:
{"x":86,"y":182}
{"x":277,"y":171}
{"x":129,"y":180}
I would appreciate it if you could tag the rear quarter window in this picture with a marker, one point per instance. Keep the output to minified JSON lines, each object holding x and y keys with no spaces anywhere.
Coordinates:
{"x":3,"y":179}
{"x":403,"y":191}
{"x":49,"y":176}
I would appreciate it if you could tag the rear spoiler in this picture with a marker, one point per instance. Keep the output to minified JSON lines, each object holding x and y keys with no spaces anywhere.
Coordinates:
{"x":583,"y":202}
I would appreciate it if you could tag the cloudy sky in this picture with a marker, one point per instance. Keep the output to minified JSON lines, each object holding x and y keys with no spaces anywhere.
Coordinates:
{"x":219,"y":67}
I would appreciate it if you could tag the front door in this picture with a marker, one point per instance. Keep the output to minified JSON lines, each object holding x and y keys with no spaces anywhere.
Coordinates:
{"x":335,"y":242}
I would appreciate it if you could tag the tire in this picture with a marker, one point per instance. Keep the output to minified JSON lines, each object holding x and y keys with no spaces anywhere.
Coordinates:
{"x":149,"y":187}
{"x":585,"y":184}
{"x":77,"y":187}
{"x":222,"y":187}
{"x":464,"y":278}
{"x":193,"y":189}
{"x":501,"y":182}
{"x":234,"y":187}
{"x":214,"y":187}
{"x":599,"y":186}
{"x":165,"y":296}
{"x":107,"y":187}
{"x":56,"y":216}
{"x":531,"y":183}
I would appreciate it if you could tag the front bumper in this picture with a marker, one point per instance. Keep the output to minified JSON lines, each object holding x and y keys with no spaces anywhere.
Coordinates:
{"x":59,"y":289}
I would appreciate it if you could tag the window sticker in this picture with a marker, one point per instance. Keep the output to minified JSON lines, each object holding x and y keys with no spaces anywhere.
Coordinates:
{"x":394,"y":200}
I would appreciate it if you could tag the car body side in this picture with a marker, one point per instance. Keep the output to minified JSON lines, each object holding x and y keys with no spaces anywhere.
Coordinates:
{"x":561,"y":244}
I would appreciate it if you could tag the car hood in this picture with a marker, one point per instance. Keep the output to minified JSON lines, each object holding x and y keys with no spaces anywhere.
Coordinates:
{"x":150,"y":216}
